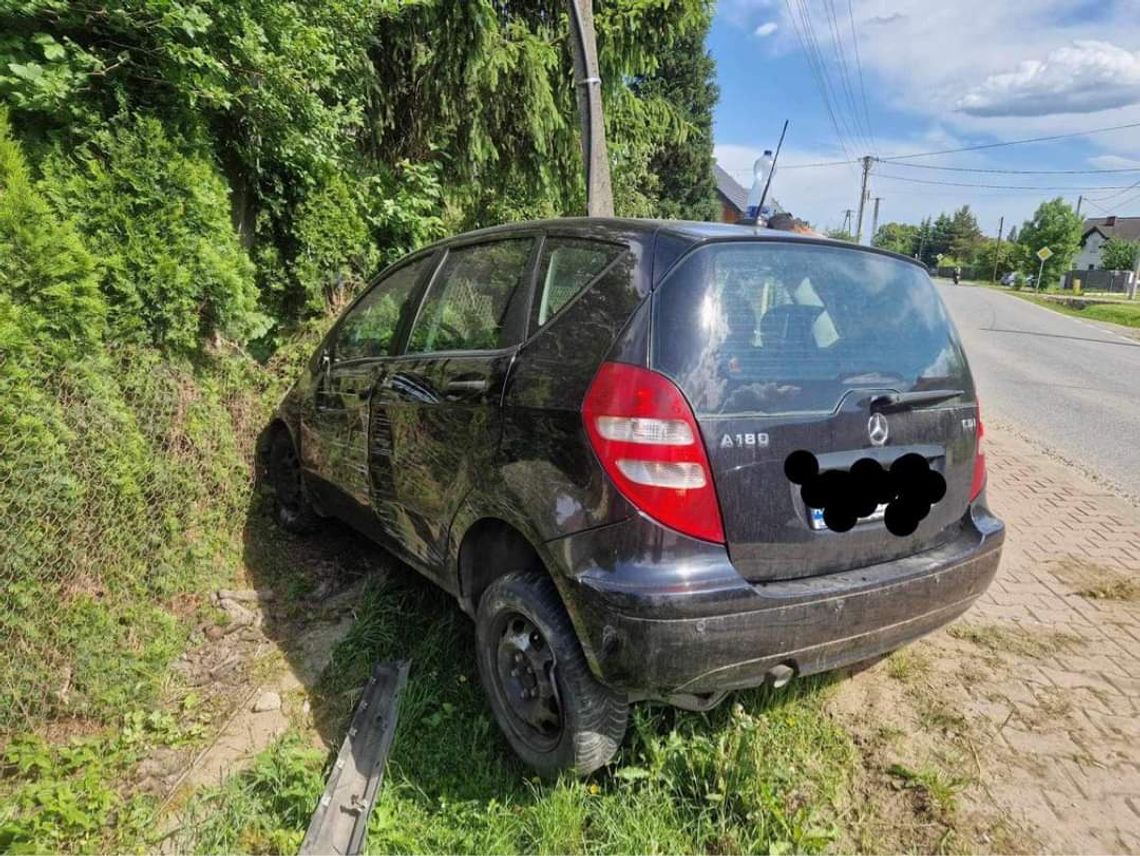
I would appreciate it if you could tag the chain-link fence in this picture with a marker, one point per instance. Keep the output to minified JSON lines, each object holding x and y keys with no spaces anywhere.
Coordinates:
{"x":124,"y":485}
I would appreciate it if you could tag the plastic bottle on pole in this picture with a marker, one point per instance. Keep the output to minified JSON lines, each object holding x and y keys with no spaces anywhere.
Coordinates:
{"x":760,"y":171}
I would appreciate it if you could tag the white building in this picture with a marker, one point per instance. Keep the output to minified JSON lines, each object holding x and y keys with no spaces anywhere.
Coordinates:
{"x":1096,"y":231}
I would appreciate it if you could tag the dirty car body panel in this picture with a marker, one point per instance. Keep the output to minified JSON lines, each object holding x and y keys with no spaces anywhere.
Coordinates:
{"x":767,"y":338}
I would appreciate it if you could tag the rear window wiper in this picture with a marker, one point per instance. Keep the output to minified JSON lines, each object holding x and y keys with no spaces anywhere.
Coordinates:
{"x":905,"y":400}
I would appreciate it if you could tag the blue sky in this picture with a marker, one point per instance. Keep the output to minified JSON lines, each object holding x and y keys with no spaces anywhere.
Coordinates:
{"x":936,"y":74}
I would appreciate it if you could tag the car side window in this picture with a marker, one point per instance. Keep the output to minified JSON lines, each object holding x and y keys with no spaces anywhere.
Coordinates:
{"x":567,"y":266}
{"x":469,"y":302}
{"x":369,"y":329}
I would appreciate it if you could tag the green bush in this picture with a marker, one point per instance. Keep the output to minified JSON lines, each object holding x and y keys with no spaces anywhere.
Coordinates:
{"x":49,"y":293}
{"x":155,"y":208}
{"x":335,"y":248}
{"x":124,"y":472}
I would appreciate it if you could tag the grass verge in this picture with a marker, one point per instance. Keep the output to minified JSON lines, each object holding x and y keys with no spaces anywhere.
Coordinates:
{"x":759,"y":774}
{"x":1123,"y":313}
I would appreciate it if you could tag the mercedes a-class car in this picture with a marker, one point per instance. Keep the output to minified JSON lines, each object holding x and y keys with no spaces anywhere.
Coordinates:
{"x":651,"y":459}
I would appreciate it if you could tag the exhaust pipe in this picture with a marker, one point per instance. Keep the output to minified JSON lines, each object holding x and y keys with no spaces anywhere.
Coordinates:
{"x":780,"y":676}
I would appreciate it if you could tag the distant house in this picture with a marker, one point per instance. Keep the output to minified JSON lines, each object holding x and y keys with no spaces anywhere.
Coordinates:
{"x":734,"y":198}
{"x":1096,"y":231}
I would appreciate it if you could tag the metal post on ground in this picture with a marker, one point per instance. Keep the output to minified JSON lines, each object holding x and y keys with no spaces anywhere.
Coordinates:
{"x":997,"y":252}
{"x":1040,"y":273}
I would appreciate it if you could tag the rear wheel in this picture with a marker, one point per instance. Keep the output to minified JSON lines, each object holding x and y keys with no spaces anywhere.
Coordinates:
{"x":292,"y":509}
{"x":555,"y":714}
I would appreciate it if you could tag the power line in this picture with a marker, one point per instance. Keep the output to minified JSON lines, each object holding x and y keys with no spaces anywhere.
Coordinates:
{"x":1101,"y":207}
{"x":1012,"y":171}
{"x":802,"y":38}
{"x":801,"y":22}
{"x":845,"y":121}
{"x":1005,"y":186}
{"x":1119,"y":205}
{"x":1013,"y":142}
{"x":859,"y":67}
{"x":1118,"y":193}
{"x":844,"y":73}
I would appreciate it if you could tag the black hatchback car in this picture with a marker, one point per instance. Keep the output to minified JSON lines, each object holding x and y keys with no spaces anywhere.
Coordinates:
{"x":582,"y":429}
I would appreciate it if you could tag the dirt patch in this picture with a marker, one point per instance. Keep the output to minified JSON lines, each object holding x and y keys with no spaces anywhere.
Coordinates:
{"x":922,"y":784}
{"x":1096,"y":582}
{"x":1015,"y":640}
{"x":255,"y":669}
{"x":919,"y":785}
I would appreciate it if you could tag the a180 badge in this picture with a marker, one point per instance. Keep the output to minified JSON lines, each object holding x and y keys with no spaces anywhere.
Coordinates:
{"x":743,"y":441}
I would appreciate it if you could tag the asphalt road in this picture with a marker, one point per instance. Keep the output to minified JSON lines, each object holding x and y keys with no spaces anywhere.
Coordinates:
{"x":1072,"y":385}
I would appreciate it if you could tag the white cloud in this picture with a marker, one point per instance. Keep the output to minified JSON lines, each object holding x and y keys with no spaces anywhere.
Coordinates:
{"x":925,"y":58}
{"x":1113,"y":162}
{"x":1086,"y":76}
{"x":740,"y":12}
{"x":883,"y":20}
{"x":920,"y":59}
{"x":766,"y":29}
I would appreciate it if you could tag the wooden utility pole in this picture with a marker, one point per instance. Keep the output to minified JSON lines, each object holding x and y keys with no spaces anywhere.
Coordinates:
{"x":862,"y":200}
{"x":997,"y":252}
{"x":1080,"y":199}
{"x":588,"y":86}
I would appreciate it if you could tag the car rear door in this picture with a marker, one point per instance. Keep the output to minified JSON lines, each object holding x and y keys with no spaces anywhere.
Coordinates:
{"x":785,"y":345}
{"x":335,"y":428}
{"x":437,"y":410}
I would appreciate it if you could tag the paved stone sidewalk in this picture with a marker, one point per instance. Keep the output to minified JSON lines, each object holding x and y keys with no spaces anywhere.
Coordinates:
{"x":1070,"y":715}
{"x":1029,"y":705}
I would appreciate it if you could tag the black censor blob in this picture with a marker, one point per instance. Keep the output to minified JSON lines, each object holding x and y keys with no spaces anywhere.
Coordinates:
{"x":908,"y":489}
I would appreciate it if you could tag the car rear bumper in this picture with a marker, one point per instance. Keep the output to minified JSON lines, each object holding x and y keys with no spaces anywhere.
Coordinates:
{"x":692,"y":625}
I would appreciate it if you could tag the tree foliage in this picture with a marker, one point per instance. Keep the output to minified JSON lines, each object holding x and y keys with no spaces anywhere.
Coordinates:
{"x":683,"y":167}
{"x":171,"y":266}
{"x":49,"y":299}
{"x":345,"y":133}
{"x":995,"y":259}
{"x":1118,"y":254}
{"x":898,"y":238}
{"x":965,"y":236}
{"x":1057,"y":226}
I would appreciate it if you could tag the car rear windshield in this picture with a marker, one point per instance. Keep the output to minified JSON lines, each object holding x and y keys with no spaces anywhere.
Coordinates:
{"x":775,"y":327}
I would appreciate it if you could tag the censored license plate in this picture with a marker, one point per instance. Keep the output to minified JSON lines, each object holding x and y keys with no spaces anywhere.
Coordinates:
{"x":817,"y":517}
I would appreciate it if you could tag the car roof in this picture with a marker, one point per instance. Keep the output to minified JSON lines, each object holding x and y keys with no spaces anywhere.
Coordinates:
{"x":692,"y":230}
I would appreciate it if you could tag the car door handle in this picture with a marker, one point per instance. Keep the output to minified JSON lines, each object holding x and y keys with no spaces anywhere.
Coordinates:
{"x":455,"y":387}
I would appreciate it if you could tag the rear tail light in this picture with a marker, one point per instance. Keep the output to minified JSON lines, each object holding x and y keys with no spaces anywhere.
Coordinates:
{"x":644,"y":433}
{"x":979,"y":481}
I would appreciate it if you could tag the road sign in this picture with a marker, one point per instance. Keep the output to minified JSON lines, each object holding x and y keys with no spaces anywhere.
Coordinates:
{"x":1042,"y":254}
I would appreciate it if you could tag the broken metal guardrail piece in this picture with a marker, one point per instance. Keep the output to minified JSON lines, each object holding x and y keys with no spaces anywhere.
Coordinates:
{"x":340,"y":821}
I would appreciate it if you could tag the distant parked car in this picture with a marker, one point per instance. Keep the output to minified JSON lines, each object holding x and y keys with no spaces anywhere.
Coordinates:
{"x":585,"y":431}
{"x":1009,"y":278}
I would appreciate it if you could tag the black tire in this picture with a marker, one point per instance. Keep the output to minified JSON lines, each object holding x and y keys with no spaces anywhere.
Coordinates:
{"x":591,"y":717}
{"x":291,"y":507}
